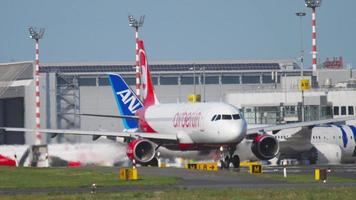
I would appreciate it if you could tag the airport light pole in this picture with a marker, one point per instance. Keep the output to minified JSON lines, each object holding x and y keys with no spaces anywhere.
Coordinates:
{"x":301,"y":15}
{"x":313,"y":4}
{"x":37,"y":34}
{"x":136,"y":24}
{"x":194,"y":83}
{"x":203,"y":68}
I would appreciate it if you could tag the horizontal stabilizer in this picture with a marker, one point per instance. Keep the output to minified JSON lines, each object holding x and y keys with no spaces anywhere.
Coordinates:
{"x":111,"y":116}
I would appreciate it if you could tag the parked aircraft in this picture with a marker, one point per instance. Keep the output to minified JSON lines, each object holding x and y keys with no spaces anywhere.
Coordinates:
{"x":328,"y":144}
{"x":181,"y":126}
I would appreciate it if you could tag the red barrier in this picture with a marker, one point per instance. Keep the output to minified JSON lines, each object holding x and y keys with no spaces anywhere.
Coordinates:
{"x":74,"y":164}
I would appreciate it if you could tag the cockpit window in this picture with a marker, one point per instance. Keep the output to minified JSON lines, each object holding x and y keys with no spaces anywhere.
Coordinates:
{"x":236,"y":116}
{"x":226,"y":117}
{"x":212,"y":119}
{"x":218,"y":117}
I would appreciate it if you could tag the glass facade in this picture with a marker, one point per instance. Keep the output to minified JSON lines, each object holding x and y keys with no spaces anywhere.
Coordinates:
{"x":251,"y":79}
{"x":230,"y":79}
{"x":212,"y":80}
{"x":285,"y":114}
{"x":104,"y":81}
{"x":87,"y":81}
{"x":207,"y":79}
{"x":173,"y":80}
{"x":189,"y":80}
{"x":267,"y":79}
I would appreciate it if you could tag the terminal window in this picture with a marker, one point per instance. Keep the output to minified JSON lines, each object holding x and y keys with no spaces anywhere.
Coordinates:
{"x":87,"y":81}
{"x":103,"y":81}
{"x":230,"y":79}
{"x":189,"y":80}
{"x":267,"y":79}
{"x":212,"y":80}
{"x":250,"y":79}
{"x":130,"y":80}
{"x":154,"y":80}
{"x":336,"y":110}
{"x":169,"y":80}
{"x":343,"y":110}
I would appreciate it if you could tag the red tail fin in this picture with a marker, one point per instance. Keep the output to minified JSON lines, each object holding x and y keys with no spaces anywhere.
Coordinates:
{"x":147,"y":89}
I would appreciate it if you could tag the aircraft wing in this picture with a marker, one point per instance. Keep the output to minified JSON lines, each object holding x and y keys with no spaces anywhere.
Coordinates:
{"x":153,"y":136}
{"x":276,"y":128}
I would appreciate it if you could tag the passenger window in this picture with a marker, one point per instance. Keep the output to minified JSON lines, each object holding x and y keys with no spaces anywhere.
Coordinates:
{"x":336,"y":110}
{"x":218,"y":117}
{"x":212,"y":119}
{"x":351,"y":110}
{"x":236,"y":116}
{"x":343,"y":110}
{"x":226,"y":117}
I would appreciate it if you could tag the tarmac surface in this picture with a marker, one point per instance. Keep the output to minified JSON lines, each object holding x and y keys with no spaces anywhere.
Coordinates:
{"x":192,"y":179}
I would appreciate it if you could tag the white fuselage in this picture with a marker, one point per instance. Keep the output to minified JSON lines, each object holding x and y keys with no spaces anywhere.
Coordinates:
{"x":193,"y":124}
{"x":338,"y":141}
{"x":342,"y":136}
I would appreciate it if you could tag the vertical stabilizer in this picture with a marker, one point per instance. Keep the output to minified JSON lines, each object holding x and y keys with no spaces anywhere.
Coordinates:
{"x":126,"y":99}
{"x":147,"y":90}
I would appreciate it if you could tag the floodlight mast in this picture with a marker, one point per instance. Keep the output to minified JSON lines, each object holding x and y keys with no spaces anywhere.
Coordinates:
{"x":136,"y":25}
{"x":313,"y":4}
{"x":37,"y":34}
{"x":301,"y":15}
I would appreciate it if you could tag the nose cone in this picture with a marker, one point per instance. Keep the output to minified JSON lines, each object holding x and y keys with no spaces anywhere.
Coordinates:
{"x":236,"y":131}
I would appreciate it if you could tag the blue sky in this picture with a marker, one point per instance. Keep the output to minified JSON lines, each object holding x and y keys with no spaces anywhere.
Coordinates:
{"x":97,"y":30}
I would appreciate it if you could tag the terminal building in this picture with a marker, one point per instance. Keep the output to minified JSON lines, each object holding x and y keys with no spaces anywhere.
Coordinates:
{"x":265,"y":90}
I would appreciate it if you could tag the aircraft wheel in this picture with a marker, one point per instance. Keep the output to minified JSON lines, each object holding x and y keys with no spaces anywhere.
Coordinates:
{"x":236,"y":161}
{"x":154,"y":162}
{"x":227,"y":162}
{"x":222,"y":164}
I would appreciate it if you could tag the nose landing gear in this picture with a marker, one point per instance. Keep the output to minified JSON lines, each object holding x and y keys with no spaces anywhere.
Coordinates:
{"x":227,"y":157}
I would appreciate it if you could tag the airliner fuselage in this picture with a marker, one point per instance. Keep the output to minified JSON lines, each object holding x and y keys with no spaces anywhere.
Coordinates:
{"x":198,"y":124}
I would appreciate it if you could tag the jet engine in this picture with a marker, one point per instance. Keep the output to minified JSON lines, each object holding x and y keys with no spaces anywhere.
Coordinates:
{"x":324,"y":153}
{"x":265,"y":147}
{"x":142,"y":150}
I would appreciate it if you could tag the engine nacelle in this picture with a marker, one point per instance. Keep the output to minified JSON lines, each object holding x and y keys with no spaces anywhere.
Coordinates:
{"x":142,"y":150}
{"x":327,"y":153}
{"x":265,"y":147}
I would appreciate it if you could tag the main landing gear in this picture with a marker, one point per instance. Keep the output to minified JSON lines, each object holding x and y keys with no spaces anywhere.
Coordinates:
{"x":227,"y":157}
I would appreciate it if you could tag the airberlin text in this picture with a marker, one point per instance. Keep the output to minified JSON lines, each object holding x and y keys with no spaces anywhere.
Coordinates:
{"x":186,"y":120}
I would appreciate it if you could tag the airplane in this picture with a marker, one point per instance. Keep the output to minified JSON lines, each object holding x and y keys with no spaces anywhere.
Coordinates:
{"x":327,"y":144}
{"x":180,"y":126}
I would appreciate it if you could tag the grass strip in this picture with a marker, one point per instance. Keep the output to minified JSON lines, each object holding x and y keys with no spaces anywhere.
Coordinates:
{"x":11,"y":177}
{"x":345,"y":193}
